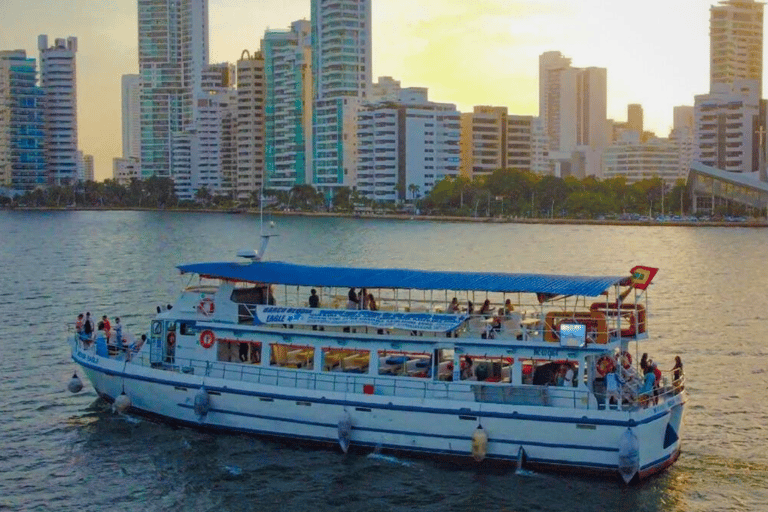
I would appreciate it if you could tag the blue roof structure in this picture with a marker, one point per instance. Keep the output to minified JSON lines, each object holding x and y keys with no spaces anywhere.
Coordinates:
{"x":271,"y":272}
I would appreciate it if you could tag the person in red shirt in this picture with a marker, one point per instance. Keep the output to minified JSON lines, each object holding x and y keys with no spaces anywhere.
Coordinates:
{"x":107,"y":326}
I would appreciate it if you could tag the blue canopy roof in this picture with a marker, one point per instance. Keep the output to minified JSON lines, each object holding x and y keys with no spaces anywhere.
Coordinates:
{"x":270,"y":272}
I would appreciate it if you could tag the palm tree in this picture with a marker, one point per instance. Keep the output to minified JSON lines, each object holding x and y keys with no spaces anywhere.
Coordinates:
{"x":413,"y":189}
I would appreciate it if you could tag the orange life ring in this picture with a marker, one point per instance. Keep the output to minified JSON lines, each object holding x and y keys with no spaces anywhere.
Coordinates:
{"x":171,"y":339}
{"x":207,"y":339}
{"x":626,"y":359}
{"x":206,"y":306}
{"x":604,"y":366}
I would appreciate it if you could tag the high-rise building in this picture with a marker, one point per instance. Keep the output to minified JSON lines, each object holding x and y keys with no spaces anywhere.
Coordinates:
{"x":131,"y":100}
{"x":736,"y":42}
{"x":406,"y":146}
{"x":483,"y":140}
{"x":341,"y":67}
{"x":22,"y":123}
{"x":727,"y":124}
{"x":251,"y":95}
{"x":58,"y":78}
{"x":173,"y":52}
{"x":288,"y":108}
{"x":212,"y":158}
{"x":572,"y":107}
{"x":519,"y":142}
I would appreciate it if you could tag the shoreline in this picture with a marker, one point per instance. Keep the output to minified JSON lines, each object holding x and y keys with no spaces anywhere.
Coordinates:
{"x":408,"y":217}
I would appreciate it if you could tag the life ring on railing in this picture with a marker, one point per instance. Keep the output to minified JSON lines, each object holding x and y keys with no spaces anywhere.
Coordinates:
{"x":171,"y":339}
{"x":207,"y":339}
{"x":206,"y":306}
{"x":604,"y":366}
{"x":626,"y":359}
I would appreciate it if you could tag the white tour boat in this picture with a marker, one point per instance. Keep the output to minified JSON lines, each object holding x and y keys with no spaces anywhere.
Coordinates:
{"x":548,"y":382}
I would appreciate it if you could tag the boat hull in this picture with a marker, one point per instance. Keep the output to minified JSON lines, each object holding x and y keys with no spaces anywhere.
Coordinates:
{"x":554,"y":439}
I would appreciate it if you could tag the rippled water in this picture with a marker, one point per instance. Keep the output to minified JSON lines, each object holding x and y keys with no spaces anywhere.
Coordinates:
{"x":70,"y":452}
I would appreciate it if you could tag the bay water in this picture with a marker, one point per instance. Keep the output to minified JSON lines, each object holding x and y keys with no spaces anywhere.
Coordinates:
{"x":60,"y":451}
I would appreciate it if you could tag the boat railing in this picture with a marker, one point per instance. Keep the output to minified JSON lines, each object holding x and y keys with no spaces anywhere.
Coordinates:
{"x":634,"y":396}
{"x":474,"y":391}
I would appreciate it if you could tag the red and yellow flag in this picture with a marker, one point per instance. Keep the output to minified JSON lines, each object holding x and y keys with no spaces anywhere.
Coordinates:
{"x":642,"y":276}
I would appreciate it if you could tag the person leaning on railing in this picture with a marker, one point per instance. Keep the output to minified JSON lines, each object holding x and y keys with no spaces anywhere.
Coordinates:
{"x":677,"y":373}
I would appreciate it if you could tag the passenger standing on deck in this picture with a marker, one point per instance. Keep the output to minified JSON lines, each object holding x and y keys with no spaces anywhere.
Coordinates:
{"x":364,"y":298}
{"x":118,"y":334}
{"x":107,"y":326}
{"x":470,"y":308}
{"x":88,"y":326}
{"x":314,"y":300}
{"x":453,"y":307}
{"x":677,"y":372}
{"x":613,"y":383}
{"x":372,"y":303}
{"x":353,"y":302}
{"x":79,"y":326}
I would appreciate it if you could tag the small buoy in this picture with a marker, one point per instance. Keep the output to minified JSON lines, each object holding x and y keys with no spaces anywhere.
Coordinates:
{"x":272,"y":224}
{"x":122,"y":402}
{"x":202,"y":404}
{"x":75,"y":384}
{"x":345,"y":432}
{"x":479,"y":443}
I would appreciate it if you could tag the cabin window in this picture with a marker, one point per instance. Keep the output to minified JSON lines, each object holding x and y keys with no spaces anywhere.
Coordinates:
{"x":186,"y":328}
{"x":485,"y":368}
{"x":292,"y":356}
{"x":346,"y":360}
{"x":237,"y":351}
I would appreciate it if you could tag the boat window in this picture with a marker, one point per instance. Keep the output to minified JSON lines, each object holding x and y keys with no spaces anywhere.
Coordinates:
{"x":292,"y":356}
{"x":408,"y":364}
{"x":345,"y":360}
{"x":237,"y":351}
{"x":186,"y":328}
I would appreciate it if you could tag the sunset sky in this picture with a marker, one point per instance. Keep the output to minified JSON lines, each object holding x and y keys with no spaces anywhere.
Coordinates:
{"x":467,"y":52}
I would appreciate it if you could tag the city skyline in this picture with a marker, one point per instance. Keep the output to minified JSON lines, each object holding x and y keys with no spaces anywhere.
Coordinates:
{"x":488,"y":51}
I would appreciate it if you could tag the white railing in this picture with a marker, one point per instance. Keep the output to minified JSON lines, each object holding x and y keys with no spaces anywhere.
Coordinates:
{"x":501,"y":393}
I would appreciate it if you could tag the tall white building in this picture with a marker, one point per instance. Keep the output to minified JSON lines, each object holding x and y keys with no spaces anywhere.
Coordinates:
{"x":212,"y":154}
{"x":288,"y":107}
{"x":573,"y":109}
{"x":173,"y":52}
{"x":341,"y":66}
{"x":727,"y":122}
{"x":58,"y":78}
{"x":251,"y":96}
{"x":736,"y":42}
{"x":406,"y":147}
{"x":131,"y":100}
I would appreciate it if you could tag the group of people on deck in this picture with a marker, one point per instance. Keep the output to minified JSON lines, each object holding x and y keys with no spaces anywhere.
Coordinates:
{"x":363,"y":300}
{"x":647,"y":384}
{"x":108,"y":339}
